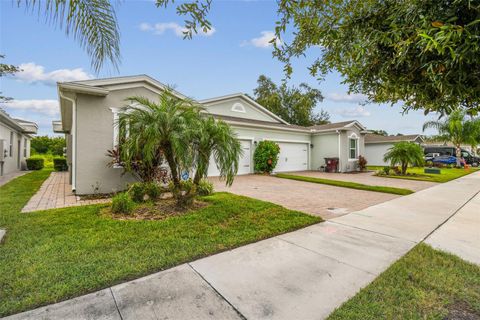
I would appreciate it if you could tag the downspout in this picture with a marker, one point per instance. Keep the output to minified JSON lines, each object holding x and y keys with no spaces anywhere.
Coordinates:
{"x":74,"y":138}
{"x":339,"y":151}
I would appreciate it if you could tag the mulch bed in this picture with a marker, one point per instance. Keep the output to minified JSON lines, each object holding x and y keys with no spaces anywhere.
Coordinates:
{"x":158,"y":210}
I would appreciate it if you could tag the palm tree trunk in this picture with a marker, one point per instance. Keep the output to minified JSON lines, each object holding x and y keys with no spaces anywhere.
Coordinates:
{"x":458,"y":154}
{"x":173,"y":166}
{"x":201,"y":170}
{"x":404,"y":167}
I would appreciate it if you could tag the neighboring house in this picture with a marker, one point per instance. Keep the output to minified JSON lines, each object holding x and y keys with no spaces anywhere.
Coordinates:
{"x":14,"y":143}
{"x":377,"y":145}
{"x":89,"y":109}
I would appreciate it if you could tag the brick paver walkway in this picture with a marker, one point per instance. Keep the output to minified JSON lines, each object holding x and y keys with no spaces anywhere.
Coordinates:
{"x":56,"y":192}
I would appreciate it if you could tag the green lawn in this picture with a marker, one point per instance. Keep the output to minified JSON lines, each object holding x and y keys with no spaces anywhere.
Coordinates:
{"x":446,"y":174}
{"x":59,"y":254}
{"x":346,"y":184}
{"x":424,"y":284}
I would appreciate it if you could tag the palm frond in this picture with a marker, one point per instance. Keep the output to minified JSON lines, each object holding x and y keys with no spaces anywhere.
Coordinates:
{"x":93,"y":23}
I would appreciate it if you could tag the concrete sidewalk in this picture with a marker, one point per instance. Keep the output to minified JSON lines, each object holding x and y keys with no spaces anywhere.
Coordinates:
{"x":460,"y":235}
{"x":304,"y":274}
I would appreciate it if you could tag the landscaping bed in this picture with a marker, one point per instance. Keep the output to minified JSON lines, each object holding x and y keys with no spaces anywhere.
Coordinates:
{"x":424,"y":284}
{"x":346,"y":184}
{"x":417,"y":173}
{"x":49,"y":256}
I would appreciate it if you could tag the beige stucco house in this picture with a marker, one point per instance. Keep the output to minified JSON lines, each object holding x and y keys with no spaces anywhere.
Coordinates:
{"x":89,"y":109}
{"x":377,"y":145}
{"x":15,"y":136}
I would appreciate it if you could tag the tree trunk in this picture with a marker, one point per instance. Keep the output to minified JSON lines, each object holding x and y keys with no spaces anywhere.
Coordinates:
{"x":173,"y":166}
{"x":458,"y":154}
{"x":404,"y":168}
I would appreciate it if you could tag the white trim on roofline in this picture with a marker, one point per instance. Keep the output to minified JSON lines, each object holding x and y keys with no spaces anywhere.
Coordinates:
{"x":95,"y":83}
{"x":358,"y":124}
{"x":248,"y":99}
{"x":255,"y":125}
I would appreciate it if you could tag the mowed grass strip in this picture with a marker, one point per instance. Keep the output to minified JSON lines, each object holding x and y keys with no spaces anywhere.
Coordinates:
{"x":424,"y":284}
{"x":53,"y":255}
{"x":417,"y":173}
{"x":346,"y":184}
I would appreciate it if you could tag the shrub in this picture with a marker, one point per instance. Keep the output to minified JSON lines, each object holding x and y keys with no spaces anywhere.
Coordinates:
{"x":137,"y":192}
{"x":35,"y":163}
{"x":122,"y":203}
{"x":362,"y":163}
{"x":152,"y":190}
{"x":386,"y":170}
{"x":265,"y":157}
{"x":60,"y":164}
{"x":205,"y":187}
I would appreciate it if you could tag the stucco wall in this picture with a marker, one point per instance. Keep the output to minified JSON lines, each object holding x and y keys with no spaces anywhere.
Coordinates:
{"x":374,"y":153}
{"x":95,"y":136}
{"x":324,"y":146}
{"x":10,"y":163}
{"x":347,"y":164}
{"x":251,"y":112}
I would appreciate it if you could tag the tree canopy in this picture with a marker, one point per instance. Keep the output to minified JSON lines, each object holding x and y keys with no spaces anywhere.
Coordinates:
{"x":46,"y":144}
{"x":6,"y":69}
{"x":423,"y":53}
{"x":293,"y":104}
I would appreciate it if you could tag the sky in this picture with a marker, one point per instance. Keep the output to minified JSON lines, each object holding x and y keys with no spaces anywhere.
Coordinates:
{"x":228,"y":59}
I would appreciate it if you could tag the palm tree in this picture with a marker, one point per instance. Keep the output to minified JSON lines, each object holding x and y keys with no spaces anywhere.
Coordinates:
{"x":404,"y":153}
{"x":92,"y":23}
{"x":217,"y":139}
{"x":160,"y":129}
{"x":457,"y":129}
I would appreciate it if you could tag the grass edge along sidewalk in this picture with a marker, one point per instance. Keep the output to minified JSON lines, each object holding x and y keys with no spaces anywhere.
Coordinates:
{"x":347,"y":184}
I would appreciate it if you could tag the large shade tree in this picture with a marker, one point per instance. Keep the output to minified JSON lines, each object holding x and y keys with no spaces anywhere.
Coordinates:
{"x":457,"y":128}
{"x":423,"y":53}
{"x":293,"y":104}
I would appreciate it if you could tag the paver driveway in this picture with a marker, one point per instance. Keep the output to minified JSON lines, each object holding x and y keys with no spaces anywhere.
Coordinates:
{"x":325,"y":201}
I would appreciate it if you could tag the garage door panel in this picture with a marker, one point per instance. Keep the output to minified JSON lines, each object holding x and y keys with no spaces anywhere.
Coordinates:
{"x":244,"y":163}
{"x":292,"y":157}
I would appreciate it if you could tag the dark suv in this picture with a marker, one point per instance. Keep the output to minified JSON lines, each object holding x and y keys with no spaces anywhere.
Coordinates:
{"x":432,"y":152}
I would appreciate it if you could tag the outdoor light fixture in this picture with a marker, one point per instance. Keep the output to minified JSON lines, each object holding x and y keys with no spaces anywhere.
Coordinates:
{"x":255,"y":142}
{"x":311,"y":145}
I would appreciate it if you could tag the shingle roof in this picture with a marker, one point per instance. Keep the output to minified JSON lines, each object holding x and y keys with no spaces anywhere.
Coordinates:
{"x":376,"y":138}
{"x":260,"y":122}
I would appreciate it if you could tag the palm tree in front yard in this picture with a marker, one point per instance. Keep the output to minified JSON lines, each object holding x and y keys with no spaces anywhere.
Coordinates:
{"x":160,"y":128}
{"x":404,"y":154}
{"x":216,"y":140}
{"x":457,"y":128}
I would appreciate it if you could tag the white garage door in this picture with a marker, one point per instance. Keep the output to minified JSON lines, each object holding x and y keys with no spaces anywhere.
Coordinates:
{"x":293,"y":157}
{"x":243,"y":164}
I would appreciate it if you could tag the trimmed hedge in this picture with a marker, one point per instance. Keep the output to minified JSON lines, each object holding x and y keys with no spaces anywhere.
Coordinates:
{"x":35,"y":163}
{"x":60,"y":164}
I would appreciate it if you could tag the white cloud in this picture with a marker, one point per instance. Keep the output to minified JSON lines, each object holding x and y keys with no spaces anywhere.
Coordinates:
{"x":264,"y":41}
{"x":178,"y":30}
{"x":46,"y":107}
{"x":33,"y":73}
{"x":348,"y":98}
{"x":357,"y":111}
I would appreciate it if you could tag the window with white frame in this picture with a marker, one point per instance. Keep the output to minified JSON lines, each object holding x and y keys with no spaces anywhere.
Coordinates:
{"x":10,"y":149}
{"x":353,"y":146}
